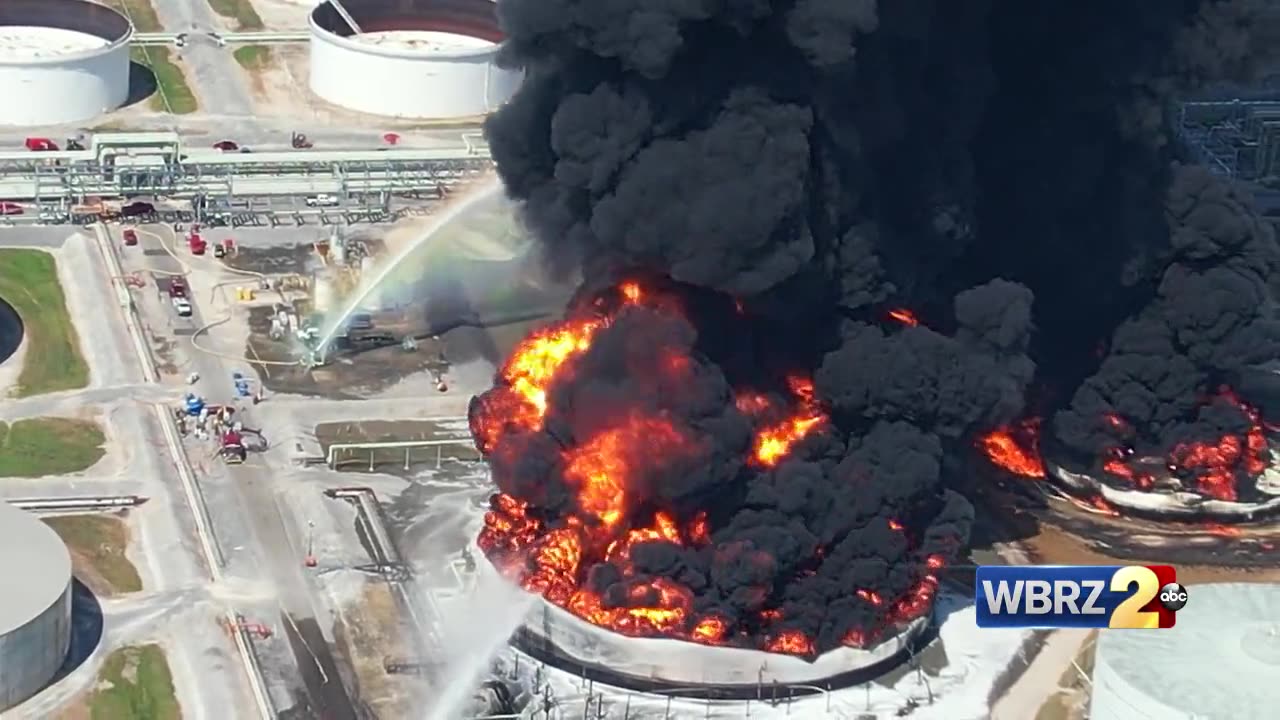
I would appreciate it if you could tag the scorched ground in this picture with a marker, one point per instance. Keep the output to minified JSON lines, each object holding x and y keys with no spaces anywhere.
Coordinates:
{"x":645,"y":491}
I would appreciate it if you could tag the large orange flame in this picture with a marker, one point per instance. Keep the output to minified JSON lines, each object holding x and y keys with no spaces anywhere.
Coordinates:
{"x":611,"y":521}
{"x":1213,"y":466}
{"x":1015,"y":448}
{"x":775,"y":442}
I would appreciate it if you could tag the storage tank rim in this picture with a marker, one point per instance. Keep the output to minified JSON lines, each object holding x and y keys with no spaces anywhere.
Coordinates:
{"x":69,"y":57}
{"x":347,"y":43}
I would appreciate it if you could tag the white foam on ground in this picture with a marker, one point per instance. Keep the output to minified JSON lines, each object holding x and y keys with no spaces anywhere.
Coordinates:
{"x":423,"y":41}
{"x":959,"y":691}
{"x":25,"y":43}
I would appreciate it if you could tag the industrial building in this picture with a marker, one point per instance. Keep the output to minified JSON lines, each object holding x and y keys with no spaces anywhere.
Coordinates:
{"x":433,"y":59}
{"x":61,"y":61}
{"x":1221,"y":660}
{"x":35,"y":605}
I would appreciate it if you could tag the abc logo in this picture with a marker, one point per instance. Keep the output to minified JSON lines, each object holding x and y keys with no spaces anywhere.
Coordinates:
{"x":1173,"y":597}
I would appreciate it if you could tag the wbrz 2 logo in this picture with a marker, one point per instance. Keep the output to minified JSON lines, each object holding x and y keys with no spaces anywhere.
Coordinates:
{"x":1081,"y":596}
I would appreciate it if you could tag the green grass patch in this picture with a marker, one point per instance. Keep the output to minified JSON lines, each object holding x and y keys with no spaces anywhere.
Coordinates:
{"x":36,"y":447}
{"x":253,"y":57}
{"x":100,"y":542}
{"x":29,"y":282}
{"x":173,"y":94}
{"x":135,"y":683}
{"x":140,"y":12}
{"x":240,"y":12}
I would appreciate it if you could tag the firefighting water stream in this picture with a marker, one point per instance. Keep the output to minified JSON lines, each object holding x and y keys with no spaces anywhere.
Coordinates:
{"x":457,"y":207}
{"x":491,"y":612}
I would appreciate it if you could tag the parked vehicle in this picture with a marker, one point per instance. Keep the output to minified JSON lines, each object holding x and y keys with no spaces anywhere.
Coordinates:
{"x":137,"y":208}
{"x":130,"y":237}
{"x":321,"y":200}
{"x":360,"y":321}
{"x":233,"y":450}
{"x":10,"y":208}
{"x":177,"y":288}
{"x":182,"y":306}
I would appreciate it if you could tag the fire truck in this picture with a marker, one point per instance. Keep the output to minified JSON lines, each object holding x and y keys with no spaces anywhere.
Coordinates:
{"x":232,"y":449}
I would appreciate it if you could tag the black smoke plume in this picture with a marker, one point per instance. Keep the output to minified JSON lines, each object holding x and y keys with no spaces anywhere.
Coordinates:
{"x":1005,"y":169}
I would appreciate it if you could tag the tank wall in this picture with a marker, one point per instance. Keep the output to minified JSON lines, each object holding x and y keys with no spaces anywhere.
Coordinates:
{"x":1114,"y":697}
{"x":56,"y":92}
{"x":675,"y":661}
{"x":31,"y":654}
{"x":428,"y":87}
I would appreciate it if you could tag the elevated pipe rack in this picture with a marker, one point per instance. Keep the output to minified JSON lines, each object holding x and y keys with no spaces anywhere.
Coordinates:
{"x":93,"y":503}
{"x":331,"y":457}
{"x":118,"y":165}
{"x":160,"y":39}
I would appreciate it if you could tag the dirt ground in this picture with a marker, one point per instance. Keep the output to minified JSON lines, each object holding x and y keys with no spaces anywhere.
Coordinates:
{"x":1058,"y":531}
{"x":97,"y":544}
{"x":1071,"y":701}
{"x":1057,"y":546}
{"x":300,"y":258}
{"x":346,"y":376}
{"x":370,"y":633}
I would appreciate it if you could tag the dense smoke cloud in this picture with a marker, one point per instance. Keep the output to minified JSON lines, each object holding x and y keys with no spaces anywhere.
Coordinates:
{"x":1003,"y":168}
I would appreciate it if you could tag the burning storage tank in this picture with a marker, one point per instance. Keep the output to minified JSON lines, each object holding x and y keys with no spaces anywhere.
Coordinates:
{"x":35,"y":606}
{"x":61,"y":61}
{"x":1221,"y":659}
{"x":831,"y":247}
{"x":643,"y":490}
{"x":560,"y":638}
{"x":434,"y":59}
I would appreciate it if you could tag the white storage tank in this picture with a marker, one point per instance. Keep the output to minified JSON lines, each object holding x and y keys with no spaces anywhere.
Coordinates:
{"x":61,"y":61}
{"x":1221,"y":659}
{"x":419,"y":59}
{"x":35,"y":605}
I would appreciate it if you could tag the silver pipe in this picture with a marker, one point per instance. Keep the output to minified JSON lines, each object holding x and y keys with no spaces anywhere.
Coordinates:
{"x":346,"y":16}
{"x":78,"y":503}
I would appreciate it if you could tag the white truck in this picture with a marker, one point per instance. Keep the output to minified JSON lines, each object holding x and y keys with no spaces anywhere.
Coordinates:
{"x":321,"y":200}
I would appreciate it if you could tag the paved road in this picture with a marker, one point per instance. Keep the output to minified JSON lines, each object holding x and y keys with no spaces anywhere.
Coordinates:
{"x":42,"y":237}
{"x":275,"y":551}
{"x":218,"y":80}
{"x":1040,"y":680}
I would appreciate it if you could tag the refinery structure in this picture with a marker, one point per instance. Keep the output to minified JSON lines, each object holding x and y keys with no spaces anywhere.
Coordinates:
{"x":341,"y":378}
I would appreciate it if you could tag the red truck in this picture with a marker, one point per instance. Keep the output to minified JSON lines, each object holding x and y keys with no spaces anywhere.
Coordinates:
{"x":130,"y":237}
{"x":196,"y":243}
{"x":232,"y":450}
{"x":177,"y":288}
{"x":40,"y":144}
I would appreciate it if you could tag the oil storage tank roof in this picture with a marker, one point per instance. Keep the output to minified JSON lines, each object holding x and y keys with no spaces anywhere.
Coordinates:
{"x":35,"y":565}
{"x":1221,"y":659}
